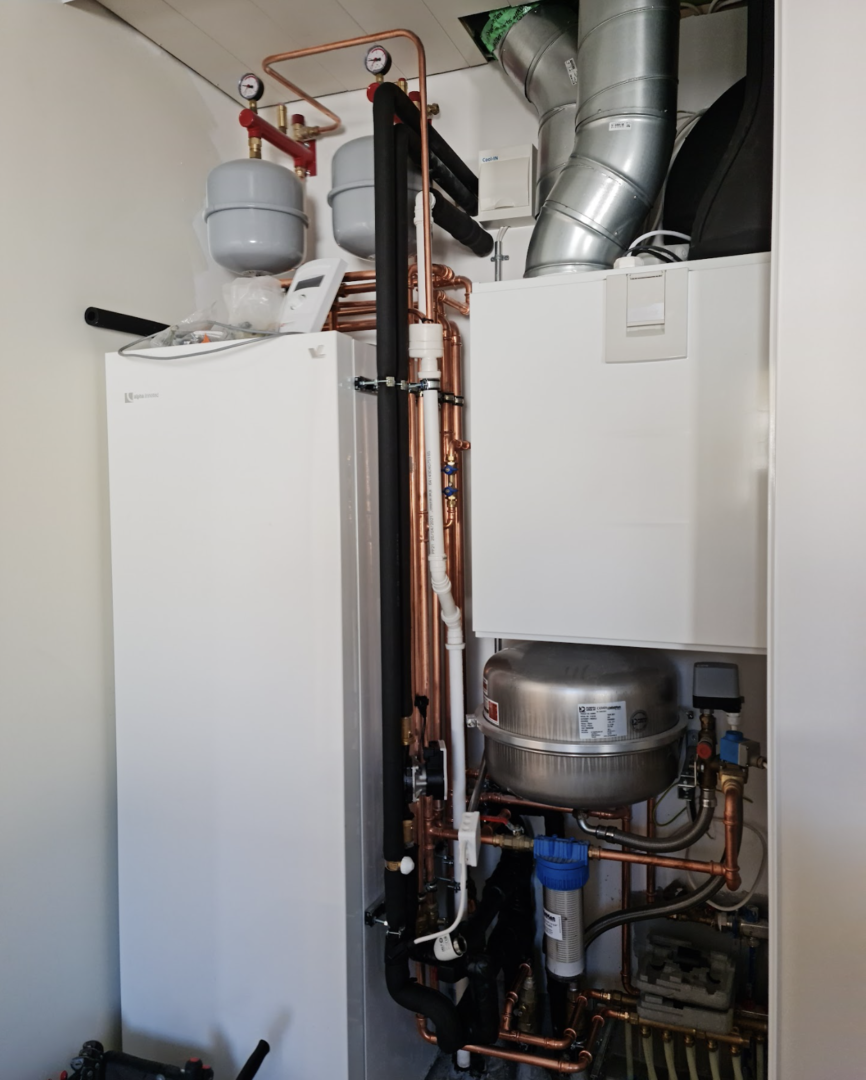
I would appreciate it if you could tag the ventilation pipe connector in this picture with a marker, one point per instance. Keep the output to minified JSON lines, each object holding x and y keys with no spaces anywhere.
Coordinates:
{"x":624,"y":134}
{"x":539,"y":53}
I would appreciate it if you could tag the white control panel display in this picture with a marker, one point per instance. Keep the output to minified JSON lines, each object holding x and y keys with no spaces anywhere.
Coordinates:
{"x":308,"y":301}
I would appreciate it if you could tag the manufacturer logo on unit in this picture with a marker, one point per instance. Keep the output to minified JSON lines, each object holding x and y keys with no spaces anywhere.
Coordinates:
{"x":129,"y":398}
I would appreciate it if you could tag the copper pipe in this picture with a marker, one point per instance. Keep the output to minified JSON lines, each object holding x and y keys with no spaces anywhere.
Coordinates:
{"x":355,"y":327}
{"x":516,"y":801}
{"x":350,"y":275}
{"x":512,"y":843}
{"x":372,"y":39}
{"x":513,"y":996}
{"x":695,"y":866}
{"x":625,"y":962}
{"x":650,"y":831}
{"x":632,"y":1018}
{"x":733,"y":794}
{"x":568,"y":1035}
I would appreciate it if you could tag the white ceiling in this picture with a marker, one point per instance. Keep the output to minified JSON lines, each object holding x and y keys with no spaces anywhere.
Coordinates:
{"x":222,"y":39}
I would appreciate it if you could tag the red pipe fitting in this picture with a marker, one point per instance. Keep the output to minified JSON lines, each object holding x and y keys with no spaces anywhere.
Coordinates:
{"x":303,"y":154}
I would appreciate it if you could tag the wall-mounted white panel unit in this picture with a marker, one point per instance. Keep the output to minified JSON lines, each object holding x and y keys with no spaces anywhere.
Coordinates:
{"x":243,"y":526}
{"x":621,"y":502}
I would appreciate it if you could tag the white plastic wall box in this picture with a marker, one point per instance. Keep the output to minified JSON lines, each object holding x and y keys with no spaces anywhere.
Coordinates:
{"x":621,"y":502}
{"x":245,"y":576}
{"x":506,"y":185}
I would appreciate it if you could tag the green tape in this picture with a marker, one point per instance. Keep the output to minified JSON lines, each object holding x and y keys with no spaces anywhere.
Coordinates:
{"x":499,"y":22}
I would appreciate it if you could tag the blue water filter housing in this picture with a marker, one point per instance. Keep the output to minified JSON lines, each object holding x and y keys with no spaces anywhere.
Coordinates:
{"x":562,"y":867}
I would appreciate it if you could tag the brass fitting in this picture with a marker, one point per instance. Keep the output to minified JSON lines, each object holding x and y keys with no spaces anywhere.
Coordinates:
{"x":404,"y":86}
{"x":667,"y":1037}
{"x":255,"y":147}
{"x":303,"y":133}
{"x":432,"y":109}
{"x":409,"y":832}
{"x":283,"y":118}
{"x":406,"y":730}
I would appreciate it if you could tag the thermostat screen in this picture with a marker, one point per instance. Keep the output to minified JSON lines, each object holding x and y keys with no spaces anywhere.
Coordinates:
{"x":310,"y":283}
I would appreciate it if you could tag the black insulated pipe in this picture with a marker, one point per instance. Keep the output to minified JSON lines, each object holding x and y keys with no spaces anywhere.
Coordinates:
{"x":463,"y":228}
{"x":443,"y":176}
{"x":407,"y":111}
{"x":123,"y":324}
{"x":401,"y":193}
{"x":391,"y":296}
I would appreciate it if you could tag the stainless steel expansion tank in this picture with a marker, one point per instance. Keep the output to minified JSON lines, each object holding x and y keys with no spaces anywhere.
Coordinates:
{"x":588,"y":726}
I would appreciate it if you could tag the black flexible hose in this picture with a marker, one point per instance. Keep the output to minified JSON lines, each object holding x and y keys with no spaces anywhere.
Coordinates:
{"x":657,"y":845}
{"x":653,"y":911}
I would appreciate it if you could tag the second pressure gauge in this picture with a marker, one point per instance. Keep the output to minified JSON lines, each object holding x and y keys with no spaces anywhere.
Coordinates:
{"x":251,"y":87}
{"x":378,"y":60}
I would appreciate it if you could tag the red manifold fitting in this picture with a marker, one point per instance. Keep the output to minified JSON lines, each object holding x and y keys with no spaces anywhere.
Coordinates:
{"x":303,"y":154}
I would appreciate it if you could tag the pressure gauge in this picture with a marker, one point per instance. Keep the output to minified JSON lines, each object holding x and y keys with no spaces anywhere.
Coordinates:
{"x":251,"y":87}
{"x":378,"y":60}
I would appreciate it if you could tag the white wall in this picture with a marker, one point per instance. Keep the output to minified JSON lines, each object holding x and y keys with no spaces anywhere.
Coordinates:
{"x":93,"y":213}
{"x":818,"y":594}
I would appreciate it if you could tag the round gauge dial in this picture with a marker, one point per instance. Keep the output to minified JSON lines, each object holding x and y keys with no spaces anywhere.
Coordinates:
{"x":251,"y":87}
{"x":378,"y":60}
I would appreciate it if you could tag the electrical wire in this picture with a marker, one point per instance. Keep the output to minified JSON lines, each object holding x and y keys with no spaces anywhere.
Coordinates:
{"x":659,"y":252}
{"x":461,"y":907}
{"x":656,"y":232}
{"x":740,"y":903}
{"x":124,"y":350}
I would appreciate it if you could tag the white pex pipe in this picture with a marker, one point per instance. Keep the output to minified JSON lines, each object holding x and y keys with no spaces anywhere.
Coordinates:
{"x":692,"y":1061}
{"x":647,"y":1040}
{"x":670,"y":1059}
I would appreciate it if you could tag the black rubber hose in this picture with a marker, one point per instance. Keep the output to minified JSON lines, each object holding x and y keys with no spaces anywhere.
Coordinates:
{"x":462,"y":227}
{"x":657,"y":845}
{"x":443,"y":176}
{"x":430,"y":1003}
{"x":254,"y":1061}
{"x":653,"y":911}
{"x":408,"y":112}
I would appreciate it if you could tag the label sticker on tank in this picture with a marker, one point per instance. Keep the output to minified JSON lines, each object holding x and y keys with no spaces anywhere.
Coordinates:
{"x":552,"y":925}
{"x":607,"y":721}
{"x":571,"y":68}
{"x":619,"y":125}
{"x":491,"y":710}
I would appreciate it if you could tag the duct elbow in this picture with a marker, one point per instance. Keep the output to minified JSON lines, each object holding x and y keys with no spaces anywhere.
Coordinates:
{"x":624,"y":136}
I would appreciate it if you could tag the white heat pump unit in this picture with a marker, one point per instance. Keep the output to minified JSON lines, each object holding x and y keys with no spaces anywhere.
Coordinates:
{"x":620,"y":427}
{"x":244,"y":557}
